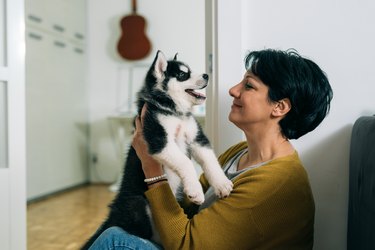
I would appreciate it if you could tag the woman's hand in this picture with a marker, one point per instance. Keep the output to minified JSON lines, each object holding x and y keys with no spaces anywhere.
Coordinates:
{"x":151,"y":167}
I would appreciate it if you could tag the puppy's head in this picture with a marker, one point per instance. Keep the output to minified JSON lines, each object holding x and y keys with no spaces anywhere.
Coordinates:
{"x":177,"y":80}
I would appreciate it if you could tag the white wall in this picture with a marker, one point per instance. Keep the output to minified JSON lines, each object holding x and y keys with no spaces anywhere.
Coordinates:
{"x":173,"y":26}
{"x":338,"y":36}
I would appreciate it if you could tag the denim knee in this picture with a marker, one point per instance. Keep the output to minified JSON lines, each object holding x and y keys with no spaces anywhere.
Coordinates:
{"x":117,"y":238}
{"x":114,"y":232}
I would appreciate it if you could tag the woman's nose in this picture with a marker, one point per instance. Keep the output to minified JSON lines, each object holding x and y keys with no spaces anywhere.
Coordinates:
{"x":234,"y":91}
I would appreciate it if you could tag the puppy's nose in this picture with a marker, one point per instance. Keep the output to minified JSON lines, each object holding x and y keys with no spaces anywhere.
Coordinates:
{"x":205,"y":76}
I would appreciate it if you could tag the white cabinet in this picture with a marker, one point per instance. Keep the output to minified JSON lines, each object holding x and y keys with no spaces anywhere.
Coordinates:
{"x":56,"y":96}
{"x":60,"y":17}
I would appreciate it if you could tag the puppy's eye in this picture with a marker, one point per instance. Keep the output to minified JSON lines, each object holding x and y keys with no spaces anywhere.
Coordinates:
{"x":182,"y":76}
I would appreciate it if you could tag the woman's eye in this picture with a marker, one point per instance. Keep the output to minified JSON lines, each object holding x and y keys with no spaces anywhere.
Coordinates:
{"x":248,"y":86}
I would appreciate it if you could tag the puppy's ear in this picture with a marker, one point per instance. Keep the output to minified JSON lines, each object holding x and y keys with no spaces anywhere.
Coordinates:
{"x":175,"y":57}
{"x":160,"y":65}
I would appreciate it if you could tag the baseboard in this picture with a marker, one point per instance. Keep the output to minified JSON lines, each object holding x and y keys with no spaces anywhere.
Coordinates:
{"x":45,"y":196}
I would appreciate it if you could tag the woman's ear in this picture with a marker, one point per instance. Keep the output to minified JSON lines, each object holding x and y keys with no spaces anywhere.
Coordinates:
{"x":282,"y":107}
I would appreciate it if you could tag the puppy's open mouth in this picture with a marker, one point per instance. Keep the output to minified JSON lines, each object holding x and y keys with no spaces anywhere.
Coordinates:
{"x":195,"y":94}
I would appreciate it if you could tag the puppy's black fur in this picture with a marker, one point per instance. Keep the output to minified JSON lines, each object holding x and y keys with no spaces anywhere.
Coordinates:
{"x":128,"y":209}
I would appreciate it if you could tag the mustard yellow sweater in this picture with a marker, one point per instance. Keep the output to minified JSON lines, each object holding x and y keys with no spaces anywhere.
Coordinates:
{"x":270,"y":207}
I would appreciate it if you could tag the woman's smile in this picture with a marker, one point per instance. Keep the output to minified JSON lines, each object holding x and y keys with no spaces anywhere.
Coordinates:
{"x":236,"y":105}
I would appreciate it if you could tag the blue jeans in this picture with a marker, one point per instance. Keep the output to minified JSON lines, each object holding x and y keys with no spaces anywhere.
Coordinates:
{"x":117,"y":238}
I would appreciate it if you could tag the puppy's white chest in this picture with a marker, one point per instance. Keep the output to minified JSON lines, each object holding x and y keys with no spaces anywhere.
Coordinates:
{"x":186,"y":131}
{"x":180,"y":129}
{"x":181,"y":133}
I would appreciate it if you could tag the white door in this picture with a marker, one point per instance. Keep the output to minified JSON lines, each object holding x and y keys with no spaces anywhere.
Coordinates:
{"x":12,"y":126}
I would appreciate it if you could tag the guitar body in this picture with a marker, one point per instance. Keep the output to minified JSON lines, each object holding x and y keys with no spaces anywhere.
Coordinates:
{"x":133,"y":43}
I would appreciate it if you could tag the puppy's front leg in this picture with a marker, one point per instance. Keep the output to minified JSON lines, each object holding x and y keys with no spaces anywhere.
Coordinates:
{"x":173,"y":158}
{"x":206,"y":157}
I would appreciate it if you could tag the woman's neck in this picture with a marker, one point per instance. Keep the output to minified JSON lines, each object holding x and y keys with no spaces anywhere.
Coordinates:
{"x":263,"y":148}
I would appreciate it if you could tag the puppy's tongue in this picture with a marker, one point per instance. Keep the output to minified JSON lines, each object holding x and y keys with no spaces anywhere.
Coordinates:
{"x":195,"y":93}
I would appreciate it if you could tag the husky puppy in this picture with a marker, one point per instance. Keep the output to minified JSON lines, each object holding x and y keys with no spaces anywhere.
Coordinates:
{"x":173,"y":135}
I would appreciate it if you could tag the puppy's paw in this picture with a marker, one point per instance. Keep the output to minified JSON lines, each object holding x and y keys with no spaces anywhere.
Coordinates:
{"x":223,"y":187}
{"x":194,"y":193}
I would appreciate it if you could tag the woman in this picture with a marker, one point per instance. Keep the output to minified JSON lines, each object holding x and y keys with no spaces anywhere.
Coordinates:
{"x":282,"y":96}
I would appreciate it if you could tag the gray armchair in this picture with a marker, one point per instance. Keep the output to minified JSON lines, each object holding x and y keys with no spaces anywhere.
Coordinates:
{"x":361,"y":214}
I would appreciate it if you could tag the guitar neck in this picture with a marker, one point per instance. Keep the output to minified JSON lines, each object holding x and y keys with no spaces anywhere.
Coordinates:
{"x":134,"y":6}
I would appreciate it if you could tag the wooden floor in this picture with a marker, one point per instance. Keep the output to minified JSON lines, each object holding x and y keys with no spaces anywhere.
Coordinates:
{"x":66,"y":220}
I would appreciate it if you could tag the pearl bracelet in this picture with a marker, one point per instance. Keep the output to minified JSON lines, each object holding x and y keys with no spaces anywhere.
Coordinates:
{"x":156,"y":178}
{"x":153,"y":182}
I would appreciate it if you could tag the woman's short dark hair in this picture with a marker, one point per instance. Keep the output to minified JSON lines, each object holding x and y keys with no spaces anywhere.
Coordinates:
{"x":288,"y":75}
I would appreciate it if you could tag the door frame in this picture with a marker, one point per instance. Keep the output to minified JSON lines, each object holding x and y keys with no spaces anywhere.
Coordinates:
{"x":14,"y":175}
{"x":224,"y":57}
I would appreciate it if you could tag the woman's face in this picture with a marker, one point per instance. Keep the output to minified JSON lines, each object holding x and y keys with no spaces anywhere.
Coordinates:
{"x":251,"y":104}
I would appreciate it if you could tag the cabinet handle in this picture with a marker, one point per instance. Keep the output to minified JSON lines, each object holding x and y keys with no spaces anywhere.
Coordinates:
{"x":78,"y":50}
{"x":59,"y":44}
{"x":35,"y":18}
{"x":35,"y":36}
{"x":79,"y":36}
{"x":58,"y":28}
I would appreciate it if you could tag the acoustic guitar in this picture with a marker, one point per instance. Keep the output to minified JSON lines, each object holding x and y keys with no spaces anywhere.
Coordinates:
{"x":133,"y":43}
